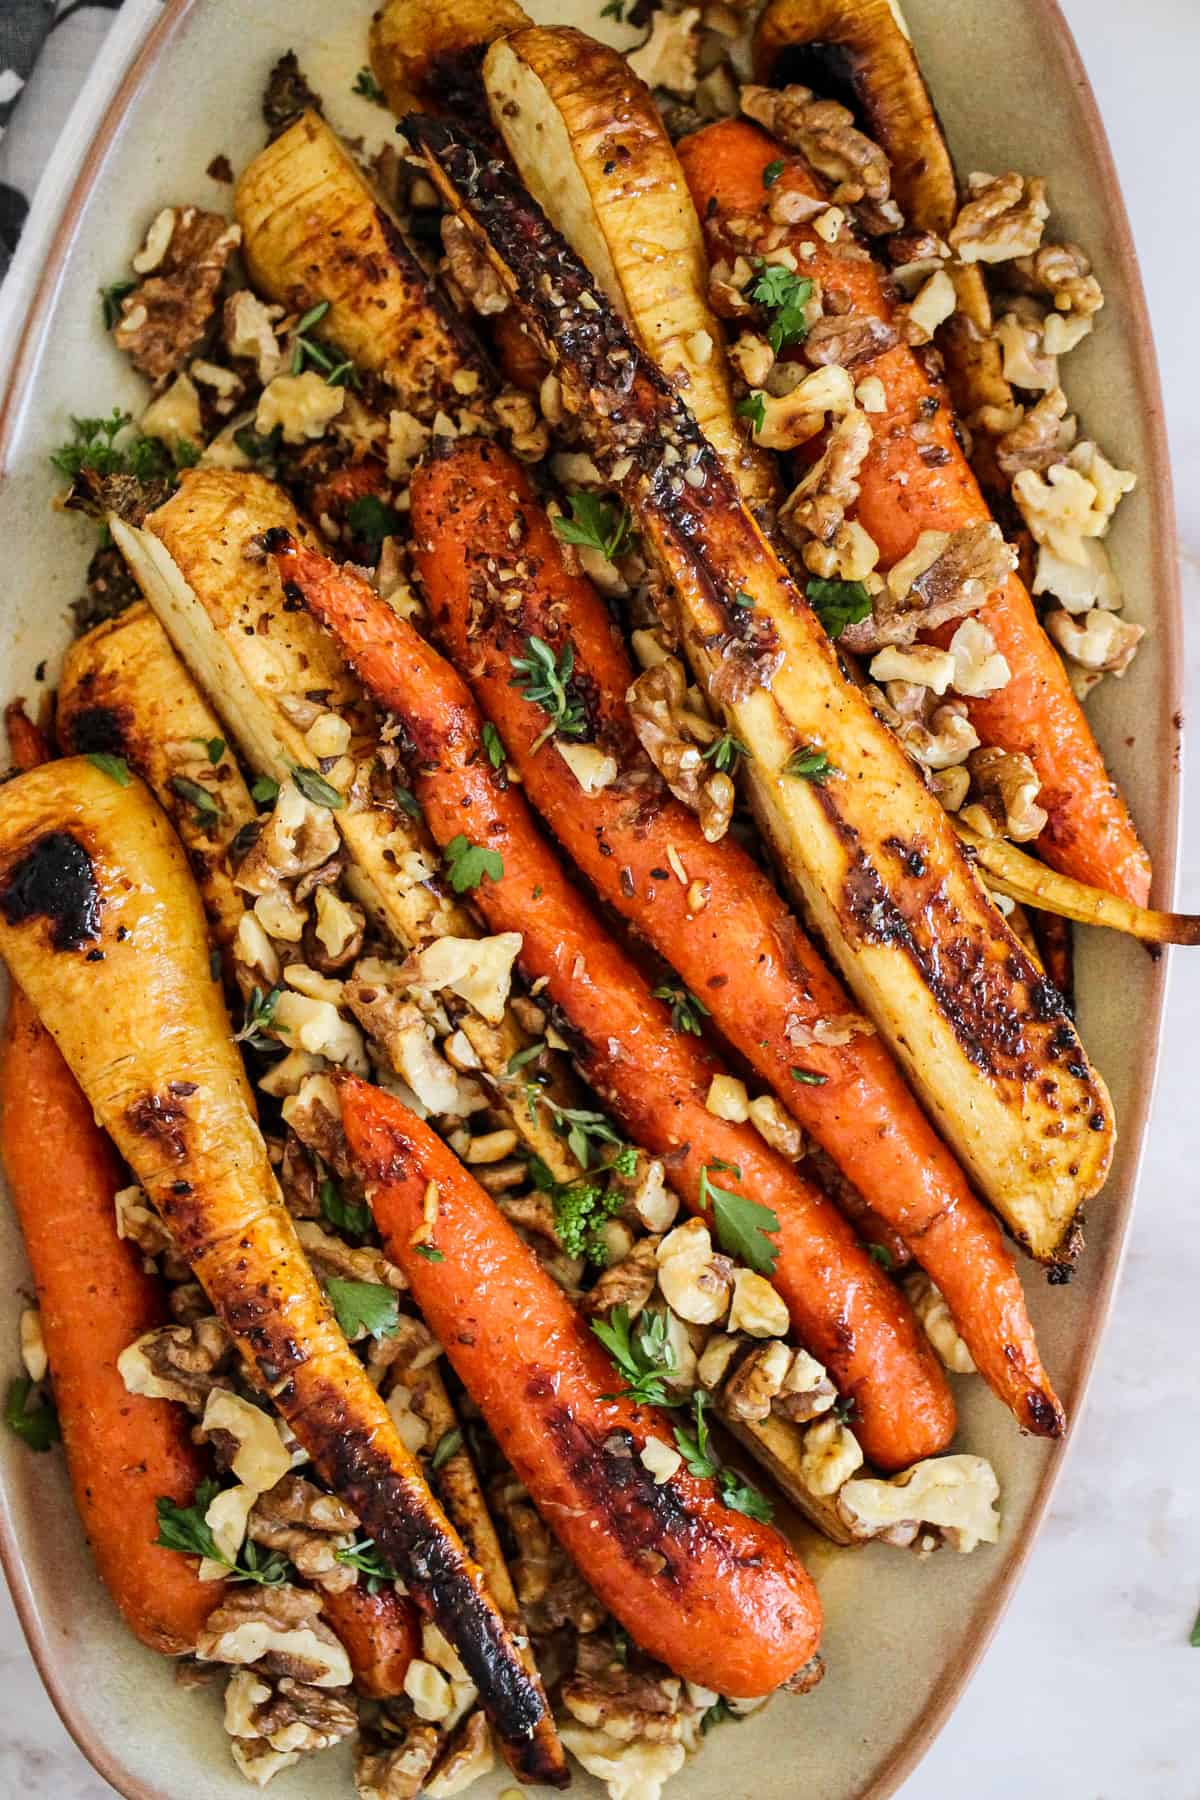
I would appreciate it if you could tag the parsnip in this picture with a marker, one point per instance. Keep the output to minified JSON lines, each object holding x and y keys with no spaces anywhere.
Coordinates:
{"x":102,"y":926}
{"x":125,"y":692}
{"x":870,"y":853}
{"x":421,"y":50}
{"x":590,"y":145}
{"x":314,"y":230}
{"x":263,"y":661}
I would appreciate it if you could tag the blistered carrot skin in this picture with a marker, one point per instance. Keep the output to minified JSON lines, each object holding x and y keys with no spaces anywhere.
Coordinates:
{"x":381,"y":1634}
{"x":766,"y":986}
{"x":653,"y":1078}
{"x":905,"y":489}
{"x":123,"y":1450}
{"x":718,"y":1597}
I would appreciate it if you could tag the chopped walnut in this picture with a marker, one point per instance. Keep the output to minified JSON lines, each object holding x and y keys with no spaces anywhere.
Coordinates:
{"x":550,"y":1589}
{"x":387,"y":1769}
{"x":929,"y":1304}
{"x":825,"y":135}
{"x":308,"y":1526}
{"x":848,"y":339}
{"x":1008,"y":786}
{"x":406,"y":1040}
{"x":527,"y":433}
{"x":816,"y":507}
{"x":1025,"y":360}
{"x":943,"y":576}
{"x":833,"y":1031}
{"x":695,"y":1279}
{"x":1062,"y":508}
{"x":667,"y":58}
{"x":169,"y":311}
{"x":777,"y":1378}
{"x":334,"y":1256}
{"x":626,"y":1704}
{"x":1003,"y":219}
{"x":179,"y":1362}
{"x":469,"y":1754}
{"x":930,"y":307}
{"x":478,"y":970}
{"x":470,"y":269}
{"x":937,"y":736}
{"x":956,"y":1495}
{"x":637,"y":1771}
{"x":248,"y":327}
{"x":1043,"y":436}
{"x":830,"y":1455}
{"x":979,"y":668}
{"x":288,"y":1715}
{"x":675,"y":737}
{"x":302,"y":406}
{"x":1098,"y":641}
{"x":138,"y":1221}
{"x":297,"y":838}
{"x":629,"y":1283}
{"x":1061,"y":272}
{"x":278,"y":1627}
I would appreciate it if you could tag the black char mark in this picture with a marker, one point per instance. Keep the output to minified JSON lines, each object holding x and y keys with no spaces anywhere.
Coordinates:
{"x":55,"y":881}
{"x":97,"y":728}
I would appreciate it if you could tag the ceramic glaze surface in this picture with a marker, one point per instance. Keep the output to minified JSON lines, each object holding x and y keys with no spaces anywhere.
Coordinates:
{"x":900,"y":1636}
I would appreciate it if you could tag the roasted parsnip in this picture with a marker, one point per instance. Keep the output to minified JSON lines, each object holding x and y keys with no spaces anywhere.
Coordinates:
{"x":315,"y":231}
{"x":101,"y":924}
{"x":868,"y":849}
{"x":424,"y":52}
{"x":125,"y":692}
{"x":587,"y":138}
{"x":263,"y":661}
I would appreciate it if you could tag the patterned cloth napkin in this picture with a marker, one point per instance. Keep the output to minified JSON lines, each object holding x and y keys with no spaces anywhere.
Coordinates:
{"x":47,"y":47}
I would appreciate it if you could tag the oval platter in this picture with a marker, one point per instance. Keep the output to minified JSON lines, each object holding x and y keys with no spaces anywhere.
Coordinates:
{"x":179,"y":84}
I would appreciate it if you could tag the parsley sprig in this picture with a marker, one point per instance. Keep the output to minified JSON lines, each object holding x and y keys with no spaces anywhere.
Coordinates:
{"x":468,"y":863}
{"x":583,"y":1130}
{"x":784,"y":296}
{"x":364,"y":1307}
{"x":184,"y":1528}
{"x":598,"y":524}
{"x":838,"y":603}
{"x":741,"y":1224}
{"x":37,"y":1426}
{"x":545,"y":681}
{"x":641,"y":1353}
{"x":372,"y":519}
{"x":114,"y":446}
{"x":354,"y":1217}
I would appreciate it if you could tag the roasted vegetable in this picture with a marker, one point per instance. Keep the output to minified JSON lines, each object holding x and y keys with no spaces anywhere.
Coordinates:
{"x":315,"y":232}
{"x":197,"y":563}
{"x":101,"y":924}
{"x":426,"y":54}
{"x":125,"y":693}
{"x":588,"y":140}
{"x":869,"y":850}
{"x":718,"y":1597}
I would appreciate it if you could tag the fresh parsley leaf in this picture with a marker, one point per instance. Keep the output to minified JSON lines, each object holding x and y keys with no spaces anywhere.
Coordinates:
{"x":717,"y":1714}
{"x":366,"y":85}
{"x":754,"y":408}
{"x":545,"y":681}
{"x":430,"y":1252}
{"x":785,"y":295}
{"x":448,"y":1445}
{"x":184,"y":1528}
{"x":601,"y":525}
{"x":641,"y":1354}
{"x":468,"y":863}
{"x":741,"y":1224}
{"x":186,"y":454}
{"x":614,"y":9}
{"x":258,"y":1018}
{"x":879,"y":1253}
{"x":314,"y":787}
{"x":725,"y":752}
{"x":373,"y":519}
{"x":369,"y":1560}
{"x":687,"y":1011}
{"x":742,"y":598}
{"x":364,"y":1306}
{"x":265,"y":792}
{"x":115,"y":767}
{"x":203,"y":803}
{"x":352,"y":1216}
{"x":36,"y":1426}
{"x":259,"y":449}
{"x":492,"y":746}
{"x":838,"y":603}
{"x":214,"y":748}
{"x":772,"y":172}
{"x":844,"y":1411}
{"x":743,"y":1497}
{"x":693,"y":1445}
{"x":406,"y":800}
{"x":110,"y":301}
{"x":112,"y":446}
{"x":809,"y":763}
{"x":809,"y":1077}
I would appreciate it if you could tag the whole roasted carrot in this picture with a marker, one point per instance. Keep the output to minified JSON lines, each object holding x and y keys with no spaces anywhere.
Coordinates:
{"x":655,"y":1079}
{"x":381,"y":1634}
{"x":718,"y":1597}
{"x":920,"y":481}
{"x":124,"y":1451}
{"x":740,"y":951}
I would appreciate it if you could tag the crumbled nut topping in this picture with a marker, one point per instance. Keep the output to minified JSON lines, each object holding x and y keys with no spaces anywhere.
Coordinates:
{"x":825,"y":135}
{"x":169,"y":311}
{"x":1003,"y":219}
{"x":675,"y":737}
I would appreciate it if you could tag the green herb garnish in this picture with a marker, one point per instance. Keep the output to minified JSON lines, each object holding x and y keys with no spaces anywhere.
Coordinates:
{"x":741,"y":1224}
{"x":448,"y":1445}
{"x":366,"y":85}
{"x":214,"y":748}
{"x":693,"y":1446}
{"x":808,"y":1077}
{"x":468,"y":863}
{"x":205,"y":810}
{"x":265,"y":792}
{"x":687,"y":1011}
{"x":373,"y":519}
{"x":838,"y":603}
{"x":754,"y":408}
{"x":364,"y":1306}
{"x":744,"y":1497}
{"x":601,"y":525}
{"x":369,"y":1560}
{"x":785,"y":295}
{"x":36,"y":1426}
{"x":725,"y":752}
{"x":429,"y":1252}
{"x":406,"y":800}
{"x":185,"y":1529}
{"x":493,"y":748}
{"x":110,"y":301}
{"x":258,"y":1018}
{"x":351,"y":1216}
{"x":772,"y":172}
{"x":115,"y":767}
{"x":879,"y":1253}
{"x":113,"y":447}
{"x":545,"y":679}
{"x":641,"y":1353}
{"x":809,"y":763}
{"x":314,"y":787}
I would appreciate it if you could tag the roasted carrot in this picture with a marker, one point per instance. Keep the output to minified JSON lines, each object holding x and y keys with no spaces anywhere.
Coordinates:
{"x":101,"y":923}
{"x":381,"y":1634}
{"x":654,"y":1078}
{"x":123,"y":1450}
{"x":765,"y":984}
{"x":26,"y":740}
{"x":905,"y":489}
{"x":718,"y":1597}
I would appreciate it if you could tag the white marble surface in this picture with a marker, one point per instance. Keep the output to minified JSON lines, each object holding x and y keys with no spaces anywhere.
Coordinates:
{"x":1089,"y":1691}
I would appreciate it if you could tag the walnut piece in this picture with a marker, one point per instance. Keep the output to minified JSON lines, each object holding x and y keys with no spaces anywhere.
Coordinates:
{"x":1003,"y":219}
{"x":1008,"y":785}
{"x":308,"y":1526}
{"x":667,"y":58}
{"x":1043,"y":436}
{"x":816,"y":507}
{"x":628,"y":1283}
{"x":179,"y":1362}
{"x":626,"y":1705}
{"x":929,"y":1304}
{"x":825,"y":135}
{"x":848,"y":339}
{"x":944,"y":575}
{"x":695,"y":1279}
{"x":169,"y":311}
{"x":1061,"y":272}
{"x":279,"y":1627}
{"x":1098,"y":641}
{"x":956,"y":1495}
{"x":288,"y":1715}
{"x":675,"y":737}
{"x":470,"y":269}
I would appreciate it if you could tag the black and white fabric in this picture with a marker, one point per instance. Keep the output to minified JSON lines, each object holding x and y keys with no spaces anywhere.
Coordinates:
{"x":47,"y":48}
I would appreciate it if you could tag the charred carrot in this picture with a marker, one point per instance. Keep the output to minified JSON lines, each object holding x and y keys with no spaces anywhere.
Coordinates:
{"x":920,"y":481}
{"x":740,"y":950}
{"x":718,"y":1597}
{"x":655,"y":1079}
{"x":381,"y":1633}
{"x":124,"y":1451}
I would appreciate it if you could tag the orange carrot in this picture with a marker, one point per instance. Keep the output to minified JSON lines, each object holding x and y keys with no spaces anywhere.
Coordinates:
{"x":718,"y":1597}
{"x":123,"y":1450}
{"x":765,"y":984}
{"x":654,"y":1078}
{"x":912,"y":482}
{"x":381,"y":1634}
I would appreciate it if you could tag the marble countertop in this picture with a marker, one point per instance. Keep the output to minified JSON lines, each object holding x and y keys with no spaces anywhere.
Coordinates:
{"x":1089,"y":1691}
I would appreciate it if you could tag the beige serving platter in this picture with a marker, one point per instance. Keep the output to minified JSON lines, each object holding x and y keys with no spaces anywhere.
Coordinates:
{"x":181,"y":85}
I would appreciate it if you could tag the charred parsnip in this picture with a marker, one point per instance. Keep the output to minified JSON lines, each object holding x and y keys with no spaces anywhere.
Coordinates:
{"x":985,"y":1039}
{"x":426,"y":54}
{"x":102,"y":926}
